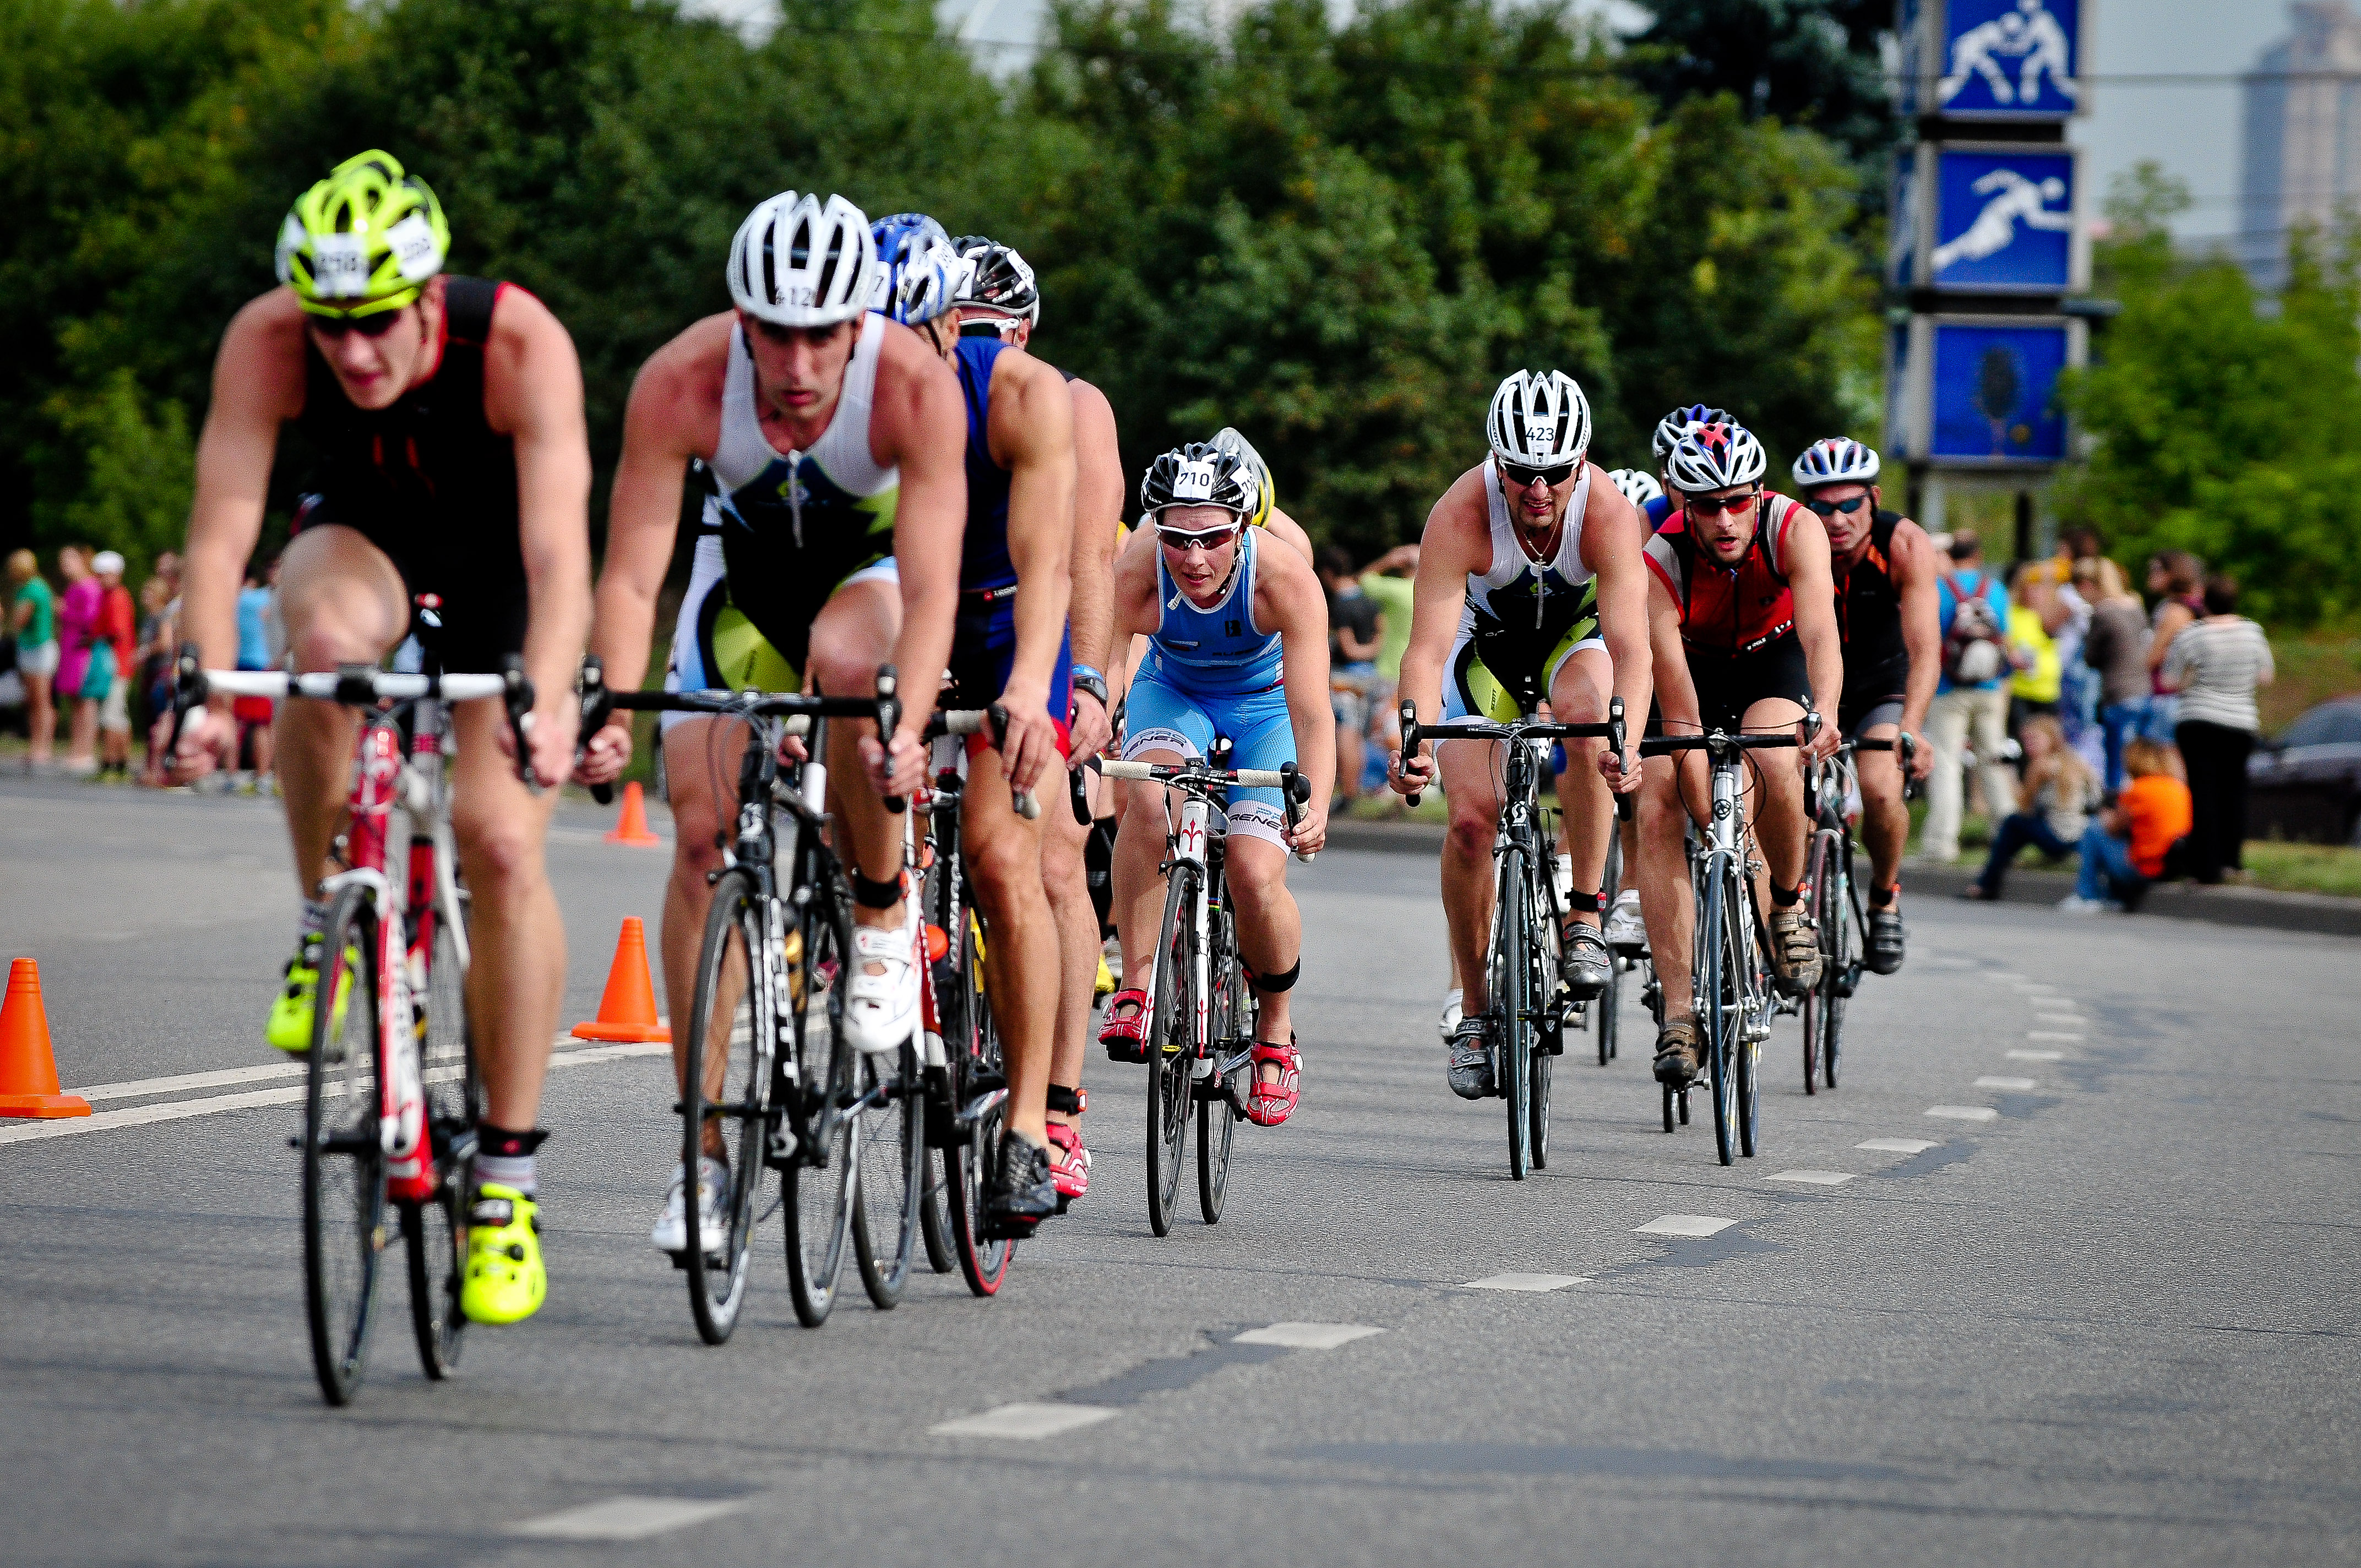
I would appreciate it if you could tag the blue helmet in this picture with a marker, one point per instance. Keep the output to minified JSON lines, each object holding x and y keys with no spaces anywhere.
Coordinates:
{"x":1669,"y":430}
{"x":917,"y":270}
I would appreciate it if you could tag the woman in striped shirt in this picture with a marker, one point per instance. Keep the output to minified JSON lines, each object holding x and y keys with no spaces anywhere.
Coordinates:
{"x":2215,"y":664}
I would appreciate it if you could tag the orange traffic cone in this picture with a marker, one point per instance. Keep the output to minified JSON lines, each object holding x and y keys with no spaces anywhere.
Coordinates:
{"x":631,"y":827}
{"x":28,"y":1070}
{"x":628,"y":1010}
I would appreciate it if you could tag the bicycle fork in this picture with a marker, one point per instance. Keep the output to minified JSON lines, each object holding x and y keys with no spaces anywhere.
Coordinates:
{"x":402,"y":1091}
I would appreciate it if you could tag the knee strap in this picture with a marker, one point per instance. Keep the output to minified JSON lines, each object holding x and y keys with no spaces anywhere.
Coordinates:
{"x":876,"y":895}
{"x":1278,"y":982}
{"x":1068,"y":1101}
{"x":1586,"y":902}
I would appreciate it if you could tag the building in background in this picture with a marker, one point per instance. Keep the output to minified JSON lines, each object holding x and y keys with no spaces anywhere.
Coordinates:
{"x":2303,"y":134}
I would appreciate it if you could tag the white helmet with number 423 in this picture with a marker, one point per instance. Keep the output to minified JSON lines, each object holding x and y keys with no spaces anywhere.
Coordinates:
{"x":1539,"y":420}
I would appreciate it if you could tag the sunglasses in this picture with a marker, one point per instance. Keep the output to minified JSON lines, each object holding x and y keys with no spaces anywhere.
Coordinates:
{"x":373,"y":325}
{"x":1521,"y":478}
{"x":1829,"y":509}
{"x":1712,"y":504}
{"x":1209,"y":541}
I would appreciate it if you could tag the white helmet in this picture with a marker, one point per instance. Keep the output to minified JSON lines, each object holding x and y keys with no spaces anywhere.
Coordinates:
{"x":1639,"y":486}
{"x":1835,"y":461}
{"x":1716,"y":458}
{"x":1539,"y":420}
{"x":797,"y":263}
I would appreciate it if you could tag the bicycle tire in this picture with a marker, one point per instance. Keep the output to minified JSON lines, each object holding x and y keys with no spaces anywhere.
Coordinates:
{"x":821,"y":1182}
{"x":1540,"y":970}
{"x":893,"y":1182}
{"x":1171,"y":1049}
{"x":934,"y":1219}
{"x":1233,"y":1020}
{"x":975,"y":1054}
{"x":343,"y":1163}
{"x":1721,"y":1016}
{"x":1751,"y":939}
{"x":1840,"y":977}
{"x":1816,"y":877}
{"x":436,"y":1229}
{"x":1606,"y":1013}
{"x":1513,"y":1009}
{"x":727,"y":1082}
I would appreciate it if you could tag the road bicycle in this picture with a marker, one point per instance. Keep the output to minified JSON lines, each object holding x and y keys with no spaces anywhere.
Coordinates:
{"x":1832,"y":788}
{"x":1528,"y":1012}
{"x":1729,"y":969}
{"x":392,"y":1094}
{"x":770,"y":1083}
{"x":1201,"y":1007}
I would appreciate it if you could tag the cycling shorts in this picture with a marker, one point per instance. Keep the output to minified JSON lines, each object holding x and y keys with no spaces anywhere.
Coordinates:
{"x":1728,"y":685}
{"x":983,"y":651}
{"x":716,"y":648}
{"x":1472,"y":691}
{"x":1855,"y":720}
{"x":1159,"y":716}
{"x":481,"y":619}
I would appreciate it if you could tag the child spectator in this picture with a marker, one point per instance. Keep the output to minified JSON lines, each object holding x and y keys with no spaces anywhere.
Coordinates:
{"x":2132,"y":842}
{"x":2053,"y":805}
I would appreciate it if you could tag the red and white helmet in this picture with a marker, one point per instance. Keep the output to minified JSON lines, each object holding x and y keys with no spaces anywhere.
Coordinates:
{"x":1716,"y":458}
{"x":1839,"y":460}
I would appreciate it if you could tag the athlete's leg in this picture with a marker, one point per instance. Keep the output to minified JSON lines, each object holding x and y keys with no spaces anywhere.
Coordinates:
{"x":1884,"y":819}
{"x":1777,"y":777}
{"x":853,"y":634}
{"x":1003,"y":852}
{"x":1666,"y":903}
{"x":1471,"y":787}
{"x":342,"y":603}
{"x":1066,"y":882}
{"x":1578,"y":695}
{"x":516,"y":974}
{"x":701,"y":757}
{"x":1271,"y":928}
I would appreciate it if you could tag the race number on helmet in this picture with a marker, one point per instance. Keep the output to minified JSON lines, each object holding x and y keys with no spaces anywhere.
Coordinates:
{"x":364,"y":240}
{"x":1198,"y":475}
{"x":796,"y":262}
{"x":1540,"y":419}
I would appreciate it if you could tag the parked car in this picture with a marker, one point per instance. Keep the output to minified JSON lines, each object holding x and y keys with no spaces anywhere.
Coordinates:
{"x":2305,"y":783}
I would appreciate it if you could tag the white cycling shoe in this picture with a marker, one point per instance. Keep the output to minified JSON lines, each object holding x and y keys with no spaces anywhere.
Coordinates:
{"x":671,"y":1232}
{"x":881,"y":1010}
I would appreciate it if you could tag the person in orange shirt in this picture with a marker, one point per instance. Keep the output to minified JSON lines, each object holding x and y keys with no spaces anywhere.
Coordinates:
{"x":2127,"y":846}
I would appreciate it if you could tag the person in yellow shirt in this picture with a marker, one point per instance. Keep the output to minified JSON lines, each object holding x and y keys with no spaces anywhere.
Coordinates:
{"x":2033,"y":601}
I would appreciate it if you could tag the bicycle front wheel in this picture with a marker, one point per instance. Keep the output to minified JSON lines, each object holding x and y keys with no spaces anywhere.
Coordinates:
{"x":725,"y":1100}
{"x":1172,"y":1050}
{"x":343,"y":1163}
{"x":1721,"y":1012}
{"x":893,"y":1143}
{"x":1752,"y":942}
{"x":823,"y":1180}
{"x":1837,"y":975}
{"x":1233,"y":1025}
{"x":1512,"y":1005}
{"x":1818,"y":875}
{"x":436,"y":1229}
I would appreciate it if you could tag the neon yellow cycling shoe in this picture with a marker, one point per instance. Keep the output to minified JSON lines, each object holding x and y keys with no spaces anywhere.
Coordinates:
{"x":290,"y":1028}
{"x":1105,"y":985}
{"x":505,"y":1282}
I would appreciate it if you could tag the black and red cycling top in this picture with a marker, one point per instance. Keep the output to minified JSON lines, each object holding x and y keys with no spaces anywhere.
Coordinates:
{"x":1740,"y":608}
{"x":1869,"y":614}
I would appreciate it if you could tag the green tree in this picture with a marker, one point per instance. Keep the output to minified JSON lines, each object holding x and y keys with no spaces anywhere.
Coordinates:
{"x":1806,"y":63}
{"x":140,"y":469}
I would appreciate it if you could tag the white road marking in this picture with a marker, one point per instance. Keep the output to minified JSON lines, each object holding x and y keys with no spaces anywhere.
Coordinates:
{"x":1965,"y":1112}
{"x":1990,"y":1082}
{"x":2071,"y":1020}
{"x":2005,"y":978}
{"x":2053,"y":1035}
{"x":623,"y":1519}
{"x":1691,"y":1225}
{"x":133,"y":1087}
{"x":610,"y":1053}
{"x":1524,"y":1282}
{"x":1307,"y":1336}
{"x":2036,"y":1055}
{"x":1813,"y":1178}
{"x":1900,"y":1145}
{"x":1028,"y":1422}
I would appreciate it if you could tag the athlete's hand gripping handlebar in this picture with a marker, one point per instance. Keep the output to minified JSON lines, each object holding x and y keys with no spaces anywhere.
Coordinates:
{"x":598,"y":703}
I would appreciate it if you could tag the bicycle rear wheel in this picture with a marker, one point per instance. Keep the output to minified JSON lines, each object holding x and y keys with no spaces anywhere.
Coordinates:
{"x":823,"y":1178}
{"x":436,"y":1229}
{"x":1232,"y":1024}
{"x":1512,"y":1005}
{"x":725,"y":1103}
{"x":1818,"y":875}
{"x":1750,"y":941}
{"x":1723,"y":1011}
{"x":1606,"y":1013}
{"x":343,"y":1163}
{"x":893,"y":1144}
{"x":1172,"y":1050}
{"x":973,"y":1050}
{"x":1838,"y":977}
{"x":1541,"y":987}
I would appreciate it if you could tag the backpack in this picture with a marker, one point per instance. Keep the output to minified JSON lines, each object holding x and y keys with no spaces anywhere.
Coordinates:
{"x":1971,"y":648}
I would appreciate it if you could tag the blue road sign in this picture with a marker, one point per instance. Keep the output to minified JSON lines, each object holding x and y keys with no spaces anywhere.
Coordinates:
{"x":2004,"y":221}
{"x":2008,"y":59}
{"x":1994,"y":393}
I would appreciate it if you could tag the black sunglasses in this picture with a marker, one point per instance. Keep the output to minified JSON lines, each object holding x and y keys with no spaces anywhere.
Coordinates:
{"x":1521,"y":478}
{"x":1711,"y":504}
{"x":375,"y":325}
{"x":1829,"y":509}
{"x":1210,"y":540}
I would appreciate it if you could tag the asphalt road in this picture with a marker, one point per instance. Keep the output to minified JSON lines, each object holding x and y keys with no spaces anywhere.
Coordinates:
{"x":2115,"y":1323}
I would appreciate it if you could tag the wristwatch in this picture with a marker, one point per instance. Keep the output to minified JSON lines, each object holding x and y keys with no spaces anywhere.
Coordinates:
{"x":1084,"y":678}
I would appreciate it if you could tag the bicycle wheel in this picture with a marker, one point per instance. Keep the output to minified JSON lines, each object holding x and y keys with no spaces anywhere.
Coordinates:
{"x":725,"y":1104}
{"x":1721,"y":1012}
{"x":1541,"y":967}
{"x":343,"y":1163}
{"x":1817,"y":876}
{"x":436,"y":1229}
{"x":1172,"y":1050}
{"x":973,"y":1050}
{"x":1839,"y":976}
{"x":823,"y":1179}
{"x":892,"y":1182}
{"x":1512,"y":1006}
{"x":1606,"y":1013}
{"x":1231,"y":1025}
{"x":1750,"y":940}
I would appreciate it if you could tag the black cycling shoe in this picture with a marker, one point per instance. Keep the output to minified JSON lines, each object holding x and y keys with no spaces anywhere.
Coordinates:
{"x":1471,"y":1058}
{"x":1885,"y":934}
{"x":1677,"y":1053}
{"x":1584,"y":964}
{"x":1023,"y":1191}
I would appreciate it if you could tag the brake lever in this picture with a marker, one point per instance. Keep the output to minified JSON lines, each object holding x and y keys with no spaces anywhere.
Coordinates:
{"x":1296,"y":793}
{"x":188,"y":694}
{"x":889,"y":719}
{"x":1078,"y":791}
{"x":598,"y":705}
{"x":1409,"y":748}
{"x":1615,"y":739}
{"x":519,"y":699}
{"x":1027,"y":805}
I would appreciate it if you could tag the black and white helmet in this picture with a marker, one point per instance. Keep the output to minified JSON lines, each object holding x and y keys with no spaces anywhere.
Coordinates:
{"x":1199,"y":474}
{"x":1539,"y":420}
{"x":1680,"y":421}
{"x":1639,"y":486}
{"x":1720,"y":456}
{"x":1839,"y":460}
{"x":998,"y":280}
{"x":798,"y":263}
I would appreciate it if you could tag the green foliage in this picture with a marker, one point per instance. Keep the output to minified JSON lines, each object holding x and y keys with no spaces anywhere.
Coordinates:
{"x":2222,"y":429}
{"x":140,"y":469}
{"x":1808,"y":62}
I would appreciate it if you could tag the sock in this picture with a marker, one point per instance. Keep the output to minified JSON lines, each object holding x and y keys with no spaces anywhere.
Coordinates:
{"x":504,"y":1158}
{"x":1785,"y":897}
{"x":314,"y":918}
{"x":1879,"y":897}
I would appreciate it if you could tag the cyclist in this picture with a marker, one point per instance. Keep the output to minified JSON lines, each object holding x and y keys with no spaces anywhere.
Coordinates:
{"x":828,"y":544}
{"x":1889,"y":622}
{"x":1626,"y":930}
{"x":1237,"y":646}
{"x":1669,"y":430}
{"x":1529,"y":588}
{"x":1742,"y":613}
{"x":998,"y":298}
{"x":453,"y":464}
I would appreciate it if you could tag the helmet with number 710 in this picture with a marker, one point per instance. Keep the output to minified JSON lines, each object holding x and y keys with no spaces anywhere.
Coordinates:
{"x":363,"y":241}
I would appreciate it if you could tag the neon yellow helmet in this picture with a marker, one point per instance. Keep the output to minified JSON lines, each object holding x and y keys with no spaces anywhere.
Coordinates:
{"x":1228,"y":440}
{"x":364,"y":240}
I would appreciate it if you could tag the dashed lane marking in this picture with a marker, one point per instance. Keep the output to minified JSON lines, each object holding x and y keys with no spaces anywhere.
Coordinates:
{"x":1900,"y":1145}
{"x":133,"y":1089}
{"x":2005,"y":978}
{"x":2015,"y":1083}
{"x":1024,"y":1422}
{"x":1813,"y":1178}
{"x":624,"y":1519}
{"x":2068,"y":1020}
{"x":1965,"y":1112}
{"x":2067,"y":1036}
{"x":1307,"y":1336}
{"x":1690,"y":1225}
{"x":1524,"y":1282}
{"x":2036,"y":1055}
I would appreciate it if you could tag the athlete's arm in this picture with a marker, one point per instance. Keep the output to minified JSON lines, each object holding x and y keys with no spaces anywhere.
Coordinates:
{"x":1287,"y":598}
{"x":1613,"y":534}
{"x":1922,"y":633}
{"x":258,"y":385}
{"x":532,"y":394}
{"x":1030,"y":429}
{"x":1675,"y":691}
{"x":919,"y":425}
{"x":1098,"y":511}
{"x":1456,"y":543}
{"x":1805,"y":553}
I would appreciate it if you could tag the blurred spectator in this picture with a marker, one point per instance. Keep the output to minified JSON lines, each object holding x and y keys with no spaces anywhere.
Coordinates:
{"x":2176,"y":579}
{"x":2116,"y":647}
{"x":84,"y":659}
{"x":2215,"y":664}
{"x":2054,"y":804}
{"x":1355,"y":624}
{"x":159,"y":636}
{"x":2035,"y":610}
{"x":2132,"y":842}
{"x":1387,"y":582}
{"x":1971,"y":700}
{"x":119,"y":623}
{"x":33,"y":620}
{"x":256,"y":609}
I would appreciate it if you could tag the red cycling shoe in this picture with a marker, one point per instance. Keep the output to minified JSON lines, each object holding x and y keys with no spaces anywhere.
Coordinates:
{"x":1069,"y":1163}
{"x":1126,"y":1039}
{"x":1268,"y":1104}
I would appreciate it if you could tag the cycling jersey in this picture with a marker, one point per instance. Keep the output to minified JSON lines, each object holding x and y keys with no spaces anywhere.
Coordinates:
{"x":1657,"y":509}
{"x":428,"y":481}
{"x":781,"y":533}
{"x":1733,"y":609}
{"x":1869,"y":620}
{"x":1523,"y":618}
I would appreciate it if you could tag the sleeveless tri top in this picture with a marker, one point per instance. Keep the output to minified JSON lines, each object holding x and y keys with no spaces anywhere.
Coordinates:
{"x":1217,"y":651}
{"x":794,"y":526}
{"x":985,"y":566}
{"x":1520,"y":610}
{"x":1869,"y":613}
